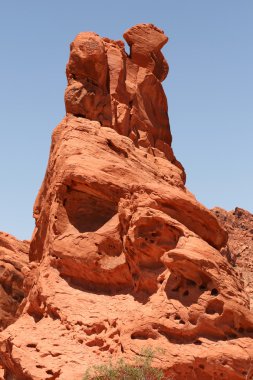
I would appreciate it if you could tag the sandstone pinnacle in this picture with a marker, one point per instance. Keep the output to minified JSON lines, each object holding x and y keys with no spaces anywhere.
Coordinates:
{"x":123,"y":257}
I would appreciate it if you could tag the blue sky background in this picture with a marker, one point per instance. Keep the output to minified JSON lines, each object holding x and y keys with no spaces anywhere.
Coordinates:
{"x":209,"y":89}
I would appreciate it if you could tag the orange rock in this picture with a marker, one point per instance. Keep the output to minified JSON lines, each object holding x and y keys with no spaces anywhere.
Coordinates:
{"x":146,"y":42}
{"x":120,"y":91}
{"x":13,"y":268}
{"x":239,"y":251}
{"x":123,"y":257}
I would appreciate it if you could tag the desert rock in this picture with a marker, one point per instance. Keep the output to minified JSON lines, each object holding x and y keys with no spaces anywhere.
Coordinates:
{"x":107,"y":85}
{"x":13,"y":268}
{"x":239,"y":225}
{"x":124,"y":257}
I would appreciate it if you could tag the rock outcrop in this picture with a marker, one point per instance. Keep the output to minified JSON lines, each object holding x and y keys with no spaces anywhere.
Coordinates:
{"x":124,"y":257}
{"x":239,"y":225}
{"x":106,"y":85}
{"x":13,"y":268}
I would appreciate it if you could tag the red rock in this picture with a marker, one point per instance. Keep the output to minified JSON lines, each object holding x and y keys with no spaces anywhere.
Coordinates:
{"x":87,"y":93}
{"x":13,"y":268}
{"x":116,"y":89}
{"x":239,"y":225}
{"x":146,"y":41}
{"x":123,"y":255}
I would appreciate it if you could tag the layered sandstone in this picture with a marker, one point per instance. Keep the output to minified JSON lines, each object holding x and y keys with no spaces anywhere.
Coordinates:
{"x":124,"y":256}
{"x":239,"y":225}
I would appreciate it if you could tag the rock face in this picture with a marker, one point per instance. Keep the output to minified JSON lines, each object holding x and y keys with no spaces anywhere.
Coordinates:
{"x":239,"y":225}
{"x":124,"y":256}
{"x":13,"y":268}
{"x":106,"y":85}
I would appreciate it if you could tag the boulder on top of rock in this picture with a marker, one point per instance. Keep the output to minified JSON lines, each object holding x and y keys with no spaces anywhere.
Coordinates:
{"x":123,"y":257}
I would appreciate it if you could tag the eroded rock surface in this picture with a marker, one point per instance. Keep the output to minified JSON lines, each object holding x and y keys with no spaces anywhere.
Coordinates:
{"x":124,"y":256}
{"x":13,"y":268}
{"x":239,"y":225}
{"x":120,"y":91}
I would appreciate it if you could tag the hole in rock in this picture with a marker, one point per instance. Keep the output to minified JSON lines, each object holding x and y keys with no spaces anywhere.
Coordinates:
{"x":87,"y":212}
{"x":18,"y":297}
{"x":190,"y":283}
{"x":31,"y":345}
{"x":106,"y":348}
{"x":128,"y":51}
{"x":143,"y":335}
{"x":163,"y":236}
{"x":214,"y":307}
{"x":97,"y":342}
{"x":214,"y":292}
{"x":79,"y":115}
{"x":197,"y":342}
{"x":110,"y":246}
{"x":49,"y":372}
{"x":193,"y":320}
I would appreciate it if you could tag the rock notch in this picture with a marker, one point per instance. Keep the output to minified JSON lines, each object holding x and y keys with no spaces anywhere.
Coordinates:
{"x":124,"y":257}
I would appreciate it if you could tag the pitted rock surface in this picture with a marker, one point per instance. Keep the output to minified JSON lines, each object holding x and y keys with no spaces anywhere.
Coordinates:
{"x":13,"y":269}
{"x":239,"y":225}
{"x":124,"y":257}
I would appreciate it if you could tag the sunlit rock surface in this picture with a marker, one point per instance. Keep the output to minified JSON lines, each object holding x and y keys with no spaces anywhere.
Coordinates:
{"x":124,"y":257}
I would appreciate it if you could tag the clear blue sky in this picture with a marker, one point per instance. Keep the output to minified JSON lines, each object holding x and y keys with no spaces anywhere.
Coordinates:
{"x":209,"y":89}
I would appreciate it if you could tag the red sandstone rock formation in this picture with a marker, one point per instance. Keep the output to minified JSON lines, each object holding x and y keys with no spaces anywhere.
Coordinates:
{"x":107,"y":85}
{"x":239,"y":225}
{"x":13,"y":268}
{"x":124,"y":255}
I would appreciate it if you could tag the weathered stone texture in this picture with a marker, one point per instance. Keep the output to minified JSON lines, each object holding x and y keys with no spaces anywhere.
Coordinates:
{"x":123,"y":255}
